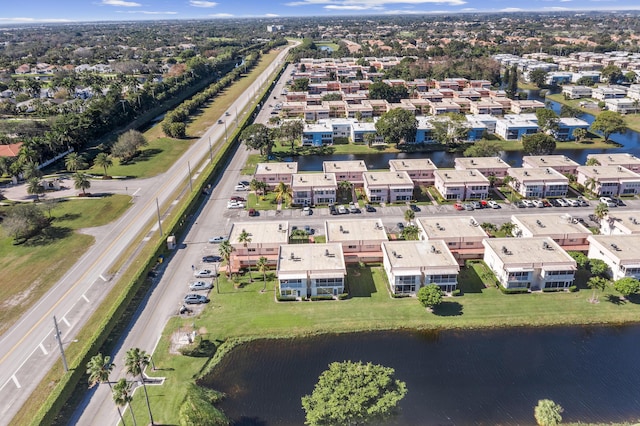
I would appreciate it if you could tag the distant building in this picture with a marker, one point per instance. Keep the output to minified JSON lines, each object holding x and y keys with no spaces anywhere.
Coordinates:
{"x":620,"y":252}
{"x":274,"y":28}
{"x":609,"y":180}
{"x":628,"y":161}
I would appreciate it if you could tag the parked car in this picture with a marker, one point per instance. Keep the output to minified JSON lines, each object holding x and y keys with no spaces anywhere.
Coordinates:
{"x":608,"y":201}
{"x":527,"y":203}
{"x":369,"y":208}
{"x":562,"y":202}
{"x":476,"y":205}
{"x":538,"y":203}
{"x":194,"y":299}
{"x":618,"y":201}
{"x":211,"y":259}
{"x":546,"y":203}
{"x":468,"y":207}
{"x":520,"y":205}
{"x":306,"y":211}
{"x":218,"y":239}
{"x":204,"y":273}
{"x":220,"y":121}
{"x":554,"y":202}
{"x":240,"y":187}
{"x":309,"y":230}
{"x":353,"y":208}
{"x":400,"y":226}
{"x":483,"y":203}
{"x":235,"y":205}
{"x":414,"y":208}
{"x":254,"y":212}
{"x":493,"y":204}
{"x":342,"y":210}
{"x":458,"y":206}
{"x":200,"y":285}
{"x":237,"y":199}
{"x":333,"y":210}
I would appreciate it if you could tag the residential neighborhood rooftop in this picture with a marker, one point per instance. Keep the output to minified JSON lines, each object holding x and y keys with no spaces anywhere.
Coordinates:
{"x":412,"y":164}
{"x":550,"y":224}
{"x":481,"y":162}
{"x":387,"y":178}
{"x":461,"y":176}
{"x":527,"y":251}
{"x":266,"y":168}
{"x":261,"y":232}
{"x":549,"y":160}
{"x":416,"y":254}
{"x":344,"y":166}
{"x":614,"y":159}
{"x":341,"y":230}
{"x":313,"y":179}
{"x":448,"y":227}
{"x":607,"y":172}
{"x":311,"y":257}
{"x":625,"y":220}
{"x":624,"y":247}
{"x":536,"y":174}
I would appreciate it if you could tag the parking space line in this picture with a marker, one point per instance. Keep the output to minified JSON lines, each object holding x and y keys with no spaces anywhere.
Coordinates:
{"x":84,"y":296}
{"x":15,"y":381}
{"x":66,"y":322}
{"x":44,"y":351}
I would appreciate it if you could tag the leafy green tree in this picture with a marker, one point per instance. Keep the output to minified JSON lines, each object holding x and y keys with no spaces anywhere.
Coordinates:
{"x":409,"y":215}
{"x":397,"y":126}
{"x":581,"y":259}
{"x":585,"y":81}
{"x":612,"y":74}
{"x":450,"y":129}
{"x":370,"y":138}
{"x":631,"y":76}
{"x":29,"y":169}
{"x":548,"y":413}
{"x":538,"y":144}
{"x":353,"y":393}
{"x":263,"y":266}
{"x":608,"y":123}
{"x":135,"y":361}
{"x":512,"y":83}
{"x":74,"y":162}
{"x":291,"y":131}
{"x":570,"y":111}
{"x":592,"y":162}
{"x":34,"y":187}
{"x":430,"y":295}
{"x":198,"y":408}
{"x":128,"y":145}
{"x":258,"y":186}
{"x":380,"y":90}
{"x":547,"y":119}
{"x":601,"y":210}
{"x":483,"y":149}
{"x":411,"y":233}
{"x":538,"y":77}
{"x":596,"y":283}
{"x":300,"y":84}
{"x":579,"y":134}
{"x":345,"y":187}
{"x":98,"y":368}
{"x":80,"y":181}
{"x":122,"y":395}
{"x":332,"y":97}
{"x":283,"y":193}
{"x":507,"y":228}
{"x":258,"y":136}
{"x":627,"y":286}
{"x":23,"y":221}
{"x":103,"y":160}
{"x":598,"y":267}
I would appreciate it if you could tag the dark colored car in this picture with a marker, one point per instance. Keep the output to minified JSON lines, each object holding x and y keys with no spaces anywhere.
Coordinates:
{"x":253,"y":212}
{"x":554,"y":202}
{"x":332,"y":210}
{"x":238,"y":199}
{"x":400,"y":226}
{"x":211,"y":259}
{"x":369,"y":208}
{"x":414,"y":208}
{"x":618,"y":201}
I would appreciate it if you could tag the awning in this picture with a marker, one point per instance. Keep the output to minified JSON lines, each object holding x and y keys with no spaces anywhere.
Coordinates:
{"x":337,"y":274}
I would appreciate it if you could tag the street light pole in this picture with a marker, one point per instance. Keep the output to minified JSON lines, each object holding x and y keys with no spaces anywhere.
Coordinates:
{"x":59,"y":339}
{"x":159,"y":221}
{"x":225,"y":132}
{"x":215,"y":265}
{"x":210,"y":153}
{"x":190,"y":184}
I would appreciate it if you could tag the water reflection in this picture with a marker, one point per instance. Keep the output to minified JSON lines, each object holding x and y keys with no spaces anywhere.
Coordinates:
{"x":453,"y":377}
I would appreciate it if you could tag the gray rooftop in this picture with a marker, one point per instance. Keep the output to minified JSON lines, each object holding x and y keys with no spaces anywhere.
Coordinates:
{"x":268,"y":168}
{"x":447,"y":227}
{"x":481,"y":163}
{"x":387,"y":178}
{"x":549,"y":161}
{"x":416,"y":254}
{"x":527,"y":251}
{"x":261,"y":232}
{"x":412,"y":164}
{"x":608,"y":172}
{"x":313,"y":179}
{"x":341,"y":230}
{"x":614,"y":159}
{"x":344,"y":166}
{"x":550,"y":224}
{"x":326,"y":257}
{"x":533,"y":174}
{"x":628,"y":246}
{"x":461,"y":176}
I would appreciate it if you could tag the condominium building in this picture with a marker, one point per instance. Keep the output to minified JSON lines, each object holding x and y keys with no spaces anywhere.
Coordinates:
{"x":420,"y":170}
{"x":488,"y":166}
{"x":538,"y":182}
{"x":274,"y":173}
{"x":461,"y":184}
{"x":620,"y":252}
{"x":350,"y":171}
{"x":462,"y":235}
{"x":361,"y":239}
{"x":560,"y":163}
{"x":261,"y":239}
{"x":313,"y":188}
{"x":388,"y":187}
{"x":609,"y":180}
{"x":564,"y":229}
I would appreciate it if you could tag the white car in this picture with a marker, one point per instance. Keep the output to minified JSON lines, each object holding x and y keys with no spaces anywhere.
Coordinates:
{"x":306,"y":211}
{"x":562,"y":202}
{"x":218,"y":239}
{"x":538,"y":203}
{"x":608,"y":201}
{"x":240,"y":187}
{"x":235,"y":205}
{"x":493,"y":204}
{"x":527,"y":203}
{"x":204,"y":273}
{"x":200,"y":285}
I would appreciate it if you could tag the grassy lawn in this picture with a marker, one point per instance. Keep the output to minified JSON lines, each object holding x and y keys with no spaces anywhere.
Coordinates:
{"x":250,"y":166}
{"x":31,"y":268}
{"x":162,"y":151}
{"x":369,"y":307}
{"x":262,"y":202}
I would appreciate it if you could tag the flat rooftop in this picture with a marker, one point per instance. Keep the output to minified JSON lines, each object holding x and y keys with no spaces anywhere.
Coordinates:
{"x":448,"y":227}
{"x":342,"y":230}
{"x":461,"y":176}
{"x":344,"y":166}
{"x":261,"y":232}
{"x":417,"y":254}
{"x":615,"y":159}
{"x":313,"y":179}
{"x":481,"y":163}
{"x":628,"y":245}
{"x":528,"y":251}
{"x":550,"y":224}
{"x":387,"y":178}
{"x":326,"y":257}
{"x":549,"y":161}
{"x":279,"y":168}
{"x":607,"y":172}
{"x":412,"y":164}
{"x":629,"y":220}
{"x":534,"y":174}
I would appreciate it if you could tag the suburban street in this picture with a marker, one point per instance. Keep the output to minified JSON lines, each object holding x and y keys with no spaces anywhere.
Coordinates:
{"x":29,"y":348}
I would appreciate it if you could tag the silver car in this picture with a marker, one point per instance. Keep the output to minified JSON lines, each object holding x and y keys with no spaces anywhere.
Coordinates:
{"x":200,"y":285}
{"x":204,"y":273}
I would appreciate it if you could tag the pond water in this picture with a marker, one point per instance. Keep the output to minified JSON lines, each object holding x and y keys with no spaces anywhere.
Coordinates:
{"x":484,"y":377}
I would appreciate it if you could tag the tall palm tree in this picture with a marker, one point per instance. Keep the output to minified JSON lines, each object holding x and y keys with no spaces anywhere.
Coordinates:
{"x":80,"y":181}
{"x":345,"y":187}
{"x":103,"y":160}
{"x":590,"y":185}
{"x":596,"y":283}
{"x":225,"y":249}
{"x":258,"y":186}
{"x":411,"y":233}
{"x":74,"y":162}
{"x":283,"y":192}
{"x":98,"y":369}
{"x":122,"y":396}
{"x":601,"y":210}
{"x":135,"y":361}
{"x":34,"y":187}
{"x":506,"y":181}
{"x":30,"y":170}
{"x":409,"y":215}
{"x":245,"y":239}
{"x":263,"y":267}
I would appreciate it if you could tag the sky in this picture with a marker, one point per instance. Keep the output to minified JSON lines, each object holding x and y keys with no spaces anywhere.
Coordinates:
{"x":33,"y":11}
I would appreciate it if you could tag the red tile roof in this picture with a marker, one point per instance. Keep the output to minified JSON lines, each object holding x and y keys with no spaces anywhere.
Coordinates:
{"x":10,"y":150}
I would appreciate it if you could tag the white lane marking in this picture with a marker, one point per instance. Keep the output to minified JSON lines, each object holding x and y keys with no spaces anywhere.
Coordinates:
{"x":15,"y":380}
{"x":44,"y":351}
{"x":84,"y":296}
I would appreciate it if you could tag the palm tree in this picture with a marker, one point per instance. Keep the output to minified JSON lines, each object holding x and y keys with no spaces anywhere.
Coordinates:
{"x":245,"y":239}
{"x":409,"y":215}
{"x":135,"y":361}
{"x":411,"y":233}
{"x":122,"y":396}
{"x":579,"y":134}
{"x":592,"y":162}
{"x":98,"y":369}
{"x":601,"y":211}
{"x":34,"y":187}
{"x":30,"y":170}
{"x":263,"y":267}
{"x":283,"y":192}
{"x":258,"y":186}
{"x":80,"y":181}
{"x":103,"y":160}
{"x":590,"y":185}
{"x":596,"y":283}
{"x":345,"y":187}
{"x":74,"y":162}
{"x":506,"y":181}
{"x":225,"y":249}
{"x":507,"y":228}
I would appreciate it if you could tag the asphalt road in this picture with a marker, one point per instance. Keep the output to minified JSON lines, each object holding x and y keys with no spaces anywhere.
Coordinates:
{"x":29,"y":348}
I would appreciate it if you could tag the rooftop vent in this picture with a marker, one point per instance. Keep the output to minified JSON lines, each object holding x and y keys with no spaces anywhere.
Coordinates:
{"x":633,"y":220}
{"x":433,"y":249}
{"x":615,"y":247}
{"x":505,"y":250}
{"x":267,"y":168}
{"x":526,"y":173}
{"x":542,"y":160}
{"x":293,"y":256}
{"x":546,"y":245}
{"x":326,"y":252}
{"x":279,"y":227}
{"x":473,"y":161}
{"x":548,"y":171}
{"x":341,"y":228}
{"x":473,"y":222}
{"x":540,"y":223}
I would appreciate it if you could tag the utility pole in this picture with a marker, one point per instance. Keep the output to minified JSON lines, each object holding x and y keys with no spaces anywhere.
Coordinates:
{"x":215,"y":265}
{"x":158,"y":211}
{"x":190,"y":184}
{"x":210,"y":152}
{"x":225,"y":132}
{"x":59,"y":339}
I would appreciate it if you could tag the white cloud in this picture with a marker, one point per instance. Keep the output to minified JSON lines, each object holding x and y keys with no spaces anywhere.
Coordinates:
{"x":221,"y":15}
{"x":556,"y":8}
{"x":120,"y":3}
{"x":147,"y":12}
{"x":25,"y":19}
{"x":511,"y":9}
{"x":199,"y":3}
{"x":414,"y":12}
{"x":271,"y":15}
{"x":468,"y":9}
{"x":351,"y":7}
{"x":369,"y":4}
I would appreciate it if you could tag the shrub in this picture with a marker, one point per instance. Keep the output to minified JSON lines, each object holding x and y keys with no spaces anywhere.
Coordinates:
{"x":343,"y":296}
{"x":573,"y":289}
{"x":322,"y":297}
{"x":552,"y":290}
{"x":512,"y":290}
{"x":456,"y":292}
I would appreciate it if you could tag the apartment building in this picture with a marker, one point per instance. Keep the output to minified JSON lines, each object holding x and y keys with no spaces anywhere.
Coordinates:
{"x":621,"y":253}
{"x":350,"y":171}
{"x":313,"y":188}
{"x":388,"y":187}
{"x":266,"y":238}
{"x":559,"y":163}
{"x":488,"y":166}
{"x":420,"y":170}
{"x":462,"y":235}
{"x":564,"y":229}
{"x":538,"y":182}
{"x":361,"y":239}
{"x":609,"y":180}
{"x":274,"y":173}
{"x":461,"y":184}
